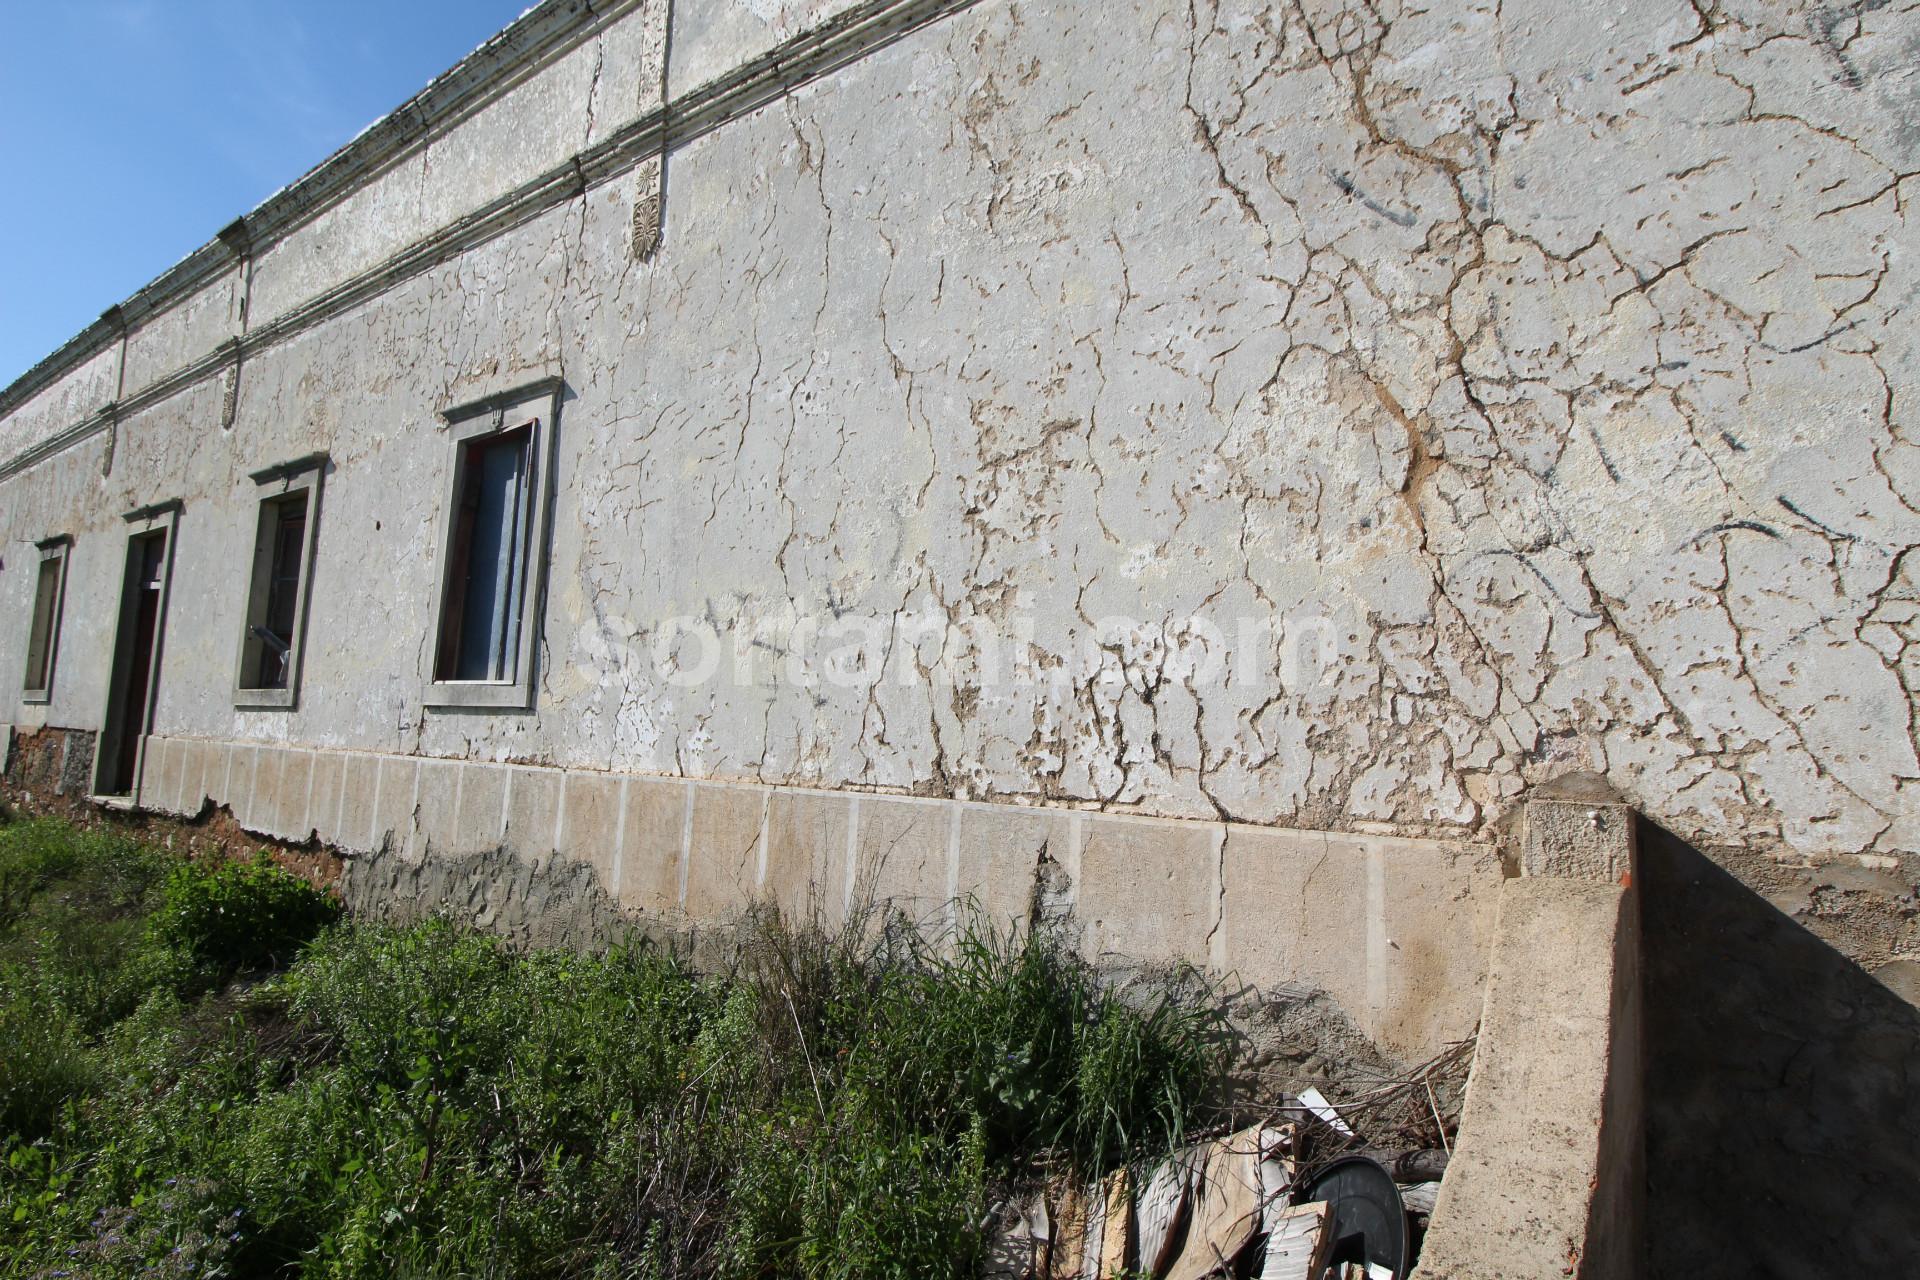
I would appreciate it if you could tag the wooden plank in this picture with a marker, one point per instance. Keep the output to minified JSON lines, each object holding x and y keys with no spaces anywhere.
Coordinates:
{"x":1116,"y":1228}
{"x":1226,"y":1208}
{"x":1298,"y":1239}
{"x":1161,"y":1211}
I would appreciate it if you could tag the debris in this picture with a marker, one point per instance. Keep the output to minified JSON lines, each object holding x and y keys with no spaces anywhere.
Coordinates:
{"x":1316,"y":1104}
{"x":1418,"y":1166}
{"x":1369,"y":1218}
{"x":1297,"y":1242}
{"x":1277,"y":1166}
{"x":1226,"y":1207}
{"x":1420,"y":1197}
{"x":1161,"y":1211}
{"x":1067,"y":1249}
{"x":1094,"y":1238}
{"x":1017,"y":1232}
{"x":1116,"y":1228}
{"x":1415,"y":1111}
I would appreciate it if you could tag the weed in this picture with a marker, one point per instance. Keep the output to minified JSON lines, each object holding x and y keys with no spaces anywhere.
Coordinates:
{"x":216,"y":921}
{"x":843,"y":1102}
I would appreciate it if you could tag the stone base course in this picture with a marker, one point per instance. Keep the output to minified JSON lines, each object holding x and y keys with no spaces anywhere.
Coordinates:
{"x":1396,"y":931}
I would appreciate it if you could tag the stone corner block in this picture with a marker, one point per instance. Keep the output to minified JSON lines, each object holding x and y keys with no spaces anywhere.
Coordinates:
{"x":1580,"y":840}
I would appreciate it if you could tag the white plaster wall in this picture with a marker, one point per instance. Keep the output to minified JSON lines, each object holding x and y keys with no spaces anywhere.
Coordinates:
{"x":574,"y":99}
{"x":712,"y":37}
{"x":1555,"y":364}
{"x":183,"y":333}
{"x":77,"y":395}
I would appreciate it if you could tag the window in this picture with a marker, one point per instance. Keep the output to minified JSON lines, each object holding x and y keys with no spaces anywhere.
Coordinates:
{"x":43,"y":640}
{"x":480,"y":623}
{"x":272,"y":632}
{"x":493,"y":546}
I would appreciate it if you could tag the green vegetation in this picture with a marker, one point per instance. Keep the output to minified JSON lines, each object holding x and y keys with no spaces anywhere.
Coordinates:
{"x":205,"y":1075}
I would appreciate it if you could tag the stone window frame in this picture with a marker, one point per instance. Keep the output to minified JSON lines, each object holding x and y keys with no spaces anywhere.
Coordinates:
{"x":536,"y":407}
{"x":55,"y":549}
{"x":274,"y":484}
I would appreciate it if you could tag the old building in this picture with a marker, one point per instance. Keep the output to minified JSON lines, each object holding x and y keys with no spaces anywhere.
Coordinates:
{"x":1209,"y":461}
{"x":1194,"y":468}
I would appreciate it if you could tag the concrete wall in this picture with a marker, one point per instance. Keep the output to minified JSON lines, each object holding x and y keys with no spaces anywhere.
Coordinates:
{"x":1339,"y":418}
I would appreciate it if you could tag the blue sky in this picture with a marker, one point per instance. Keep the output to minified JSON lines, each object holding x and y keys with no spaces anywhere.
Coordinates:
{"x":133,"y":130}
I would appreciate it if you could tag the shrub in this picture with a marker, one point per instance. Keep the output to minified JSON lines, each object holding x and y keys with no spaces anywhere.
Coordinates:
{"x":220,"y":920}
{"x":423,"y":1101}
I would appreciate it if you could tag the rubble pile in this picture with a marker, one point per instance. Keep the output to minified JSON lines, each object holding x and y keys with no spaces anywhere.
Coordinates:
{"x":1318,"y":1189}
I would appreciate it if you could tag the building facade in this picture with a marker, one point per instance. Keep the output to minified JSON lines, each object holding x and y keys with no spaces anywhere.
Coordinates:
{"x":1216,"y":458}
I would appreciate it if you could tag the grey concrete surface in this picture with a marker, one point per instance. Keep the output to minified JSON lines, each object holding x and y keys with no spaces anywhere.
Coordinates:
{"x":1548,"y":1169}
{"x":1783,"y":1088}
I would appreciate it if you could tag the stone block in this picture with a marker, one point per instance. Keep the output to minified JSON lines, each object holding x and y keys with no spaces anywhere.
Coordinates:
{"x":999,"y":849}
{"x":187,"y":789}
{"x":1442,"y":902}
{"x":323,"y":804}
{"x":393,"y":804}
{"x":290,"y":821}
{"x":590,"y":824}
{"x":217,"y":770}
{"x":650,"y":870}
{"x":807,"y":854}
{"x":166,"y":791}
{"x":359,"y":814}
{"x":236,"y":779}
{"x":481,"y":819}
{"x":533,"y":812}
{"x":902,"y":858}
{"x":1580,"y":840}
{"x":1148,"y":891}
{"x":436,"y":806}
{"x":263,"y":791}
{"x":1296,"y":914}
{"x":152,"y":752}
{"x":724,"y":850}
{"x":198,"y":759}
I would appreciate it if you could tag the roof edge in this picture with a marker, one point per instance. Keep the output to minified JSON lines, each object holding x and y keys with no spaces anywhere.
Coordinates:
{"x":550,"y":26}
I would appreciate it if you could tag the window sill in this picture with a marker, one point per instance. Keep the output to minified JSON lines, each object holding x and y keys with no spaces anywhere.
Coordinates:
{"x":454,"y":695}
{"x":37,"y":697}
{"x":265,"y":699}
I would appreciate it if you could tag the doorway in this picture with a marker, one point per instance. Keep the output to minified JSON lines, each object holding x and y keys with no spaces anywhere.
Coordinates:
{"x":136,"y":660}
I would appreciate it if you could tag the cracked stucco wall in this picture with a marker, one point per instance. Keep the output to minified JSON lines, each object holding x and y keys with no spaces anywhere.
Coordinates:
{"x":1552,"y":367}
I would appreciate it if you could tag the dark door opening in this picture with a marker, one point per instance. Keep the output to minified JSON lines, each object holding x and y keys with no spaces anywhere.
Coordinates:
{"x":130,"y":700}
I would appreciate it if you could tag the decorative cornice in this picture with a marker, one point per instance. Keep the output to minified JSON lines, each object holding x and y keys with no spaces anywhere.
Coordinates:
{"x":291,"y":467}
{"x":152,"y":509}
{"x":237,"y":239}
{"x":842,"y":40}
{"x":506,"y":398}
